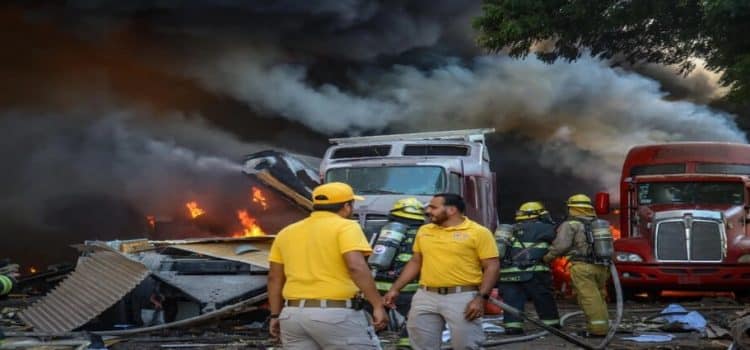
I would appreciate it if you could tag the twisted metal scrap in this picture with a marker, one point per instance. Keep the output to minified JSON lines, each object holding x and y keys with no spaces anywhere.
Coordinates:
{"x":740,"y":333}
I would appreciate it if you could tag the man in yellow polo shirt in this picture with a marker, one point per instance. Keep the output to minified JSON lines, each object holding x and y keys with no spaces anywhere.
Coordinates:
{"x":317,"y":266}
{"x":456,"y":259}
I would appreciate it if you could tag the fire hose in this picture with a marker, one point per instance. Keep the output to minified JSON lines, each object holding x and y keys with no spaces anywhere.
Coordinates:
{"x":565,"y":336}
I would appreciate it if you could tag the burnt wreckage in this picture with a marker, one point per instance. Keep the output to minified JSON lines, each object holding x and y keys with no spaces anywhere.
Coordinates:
{"x":140,"y":283}
{"x":121,"y":286}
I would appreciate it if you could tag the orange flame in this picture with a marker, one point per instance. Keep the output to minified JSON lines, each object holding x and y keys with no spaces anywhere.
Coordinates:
{"x":561,"y":269}
{"x":195,"y":211}
{"x":561,"y":275}
{"x":616,"y":234}
{"x":151,"y":221}
{"x":32,"y":269}
{"x":250,"y":227}
{"x":259,"y":198}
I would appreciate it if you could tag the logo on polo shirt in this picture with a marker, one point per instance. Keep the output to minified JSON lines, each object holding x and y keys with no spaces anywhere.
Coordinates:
{"x":460,"y":236}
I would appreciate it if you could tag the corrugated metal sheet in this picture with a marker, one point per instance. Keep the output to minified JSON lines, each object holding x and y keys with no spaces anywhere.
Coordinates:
{"x":98,"y":282}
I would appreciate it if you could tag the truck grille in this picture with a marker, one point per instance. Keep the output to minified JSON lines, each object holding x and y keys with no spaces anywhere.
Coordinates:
{"x":705,"y":243}
{"x":671,"y":241}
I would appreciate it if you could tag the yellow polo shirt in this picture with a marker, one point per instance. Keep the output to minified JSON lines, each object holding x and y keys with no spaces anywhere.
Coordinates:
{"x":451,"y":255}
{"x":312,"y":252}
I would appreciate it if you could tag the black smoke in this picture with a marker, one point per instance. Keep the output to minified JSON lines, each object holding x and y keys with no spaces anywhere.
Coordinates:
{"x":124,"y":109}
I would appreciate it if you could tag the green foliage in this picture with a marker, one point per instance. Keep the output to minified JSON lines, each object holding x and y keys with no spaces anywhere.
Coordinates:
{"x":661,"y":31}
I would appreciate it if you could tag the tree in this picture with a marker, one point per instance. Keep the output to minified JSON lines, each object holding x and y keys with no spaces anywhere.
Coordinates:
{"x":660,"y":31}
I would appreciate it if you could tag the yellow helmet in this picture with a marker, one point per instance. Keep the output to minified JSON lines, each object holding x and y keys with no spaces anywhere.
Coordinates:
{"x":579,"y":201}
{"x":408,"y":208}
{"x":530,"y":210}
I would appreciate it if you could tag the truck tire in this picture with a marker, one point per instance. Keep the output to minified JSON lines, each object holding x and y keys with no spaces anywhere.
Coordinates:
{"x":741,"y":295}
{"x":635,"y":294}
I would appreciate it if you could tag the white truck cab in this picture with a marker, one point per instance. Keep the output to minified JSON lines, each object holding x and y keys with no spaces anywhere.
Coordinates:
{"x":386,"y":168}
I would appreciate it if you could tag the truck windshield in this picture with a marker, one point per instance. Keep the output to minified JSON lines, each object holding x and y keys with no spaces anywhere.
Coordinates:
{"x":691,"y":192}
{"x":414,"y":180}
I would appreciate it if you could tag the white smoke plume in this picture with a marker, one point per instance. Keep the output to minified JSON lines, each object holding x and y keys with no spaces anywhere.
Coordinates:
{"x":586,"y":114}
{"x":271,"y":87}
{"x":700,"y":85}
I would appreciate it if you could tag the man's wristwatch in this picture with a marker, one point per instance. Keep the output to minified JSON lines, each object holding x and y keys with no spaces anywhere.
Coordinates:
{"x":272,"y":316}
{"x":484,"y":296}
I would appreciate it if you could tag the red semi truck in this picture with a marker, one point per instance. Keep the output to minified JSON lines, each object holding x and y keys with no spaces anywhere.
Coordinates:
{"x":684,"y":215}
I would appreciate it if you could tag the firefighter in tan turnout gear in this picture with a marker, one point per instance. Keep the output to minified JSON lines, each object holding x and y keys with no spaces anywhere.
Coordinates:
{"x":588,"y":275}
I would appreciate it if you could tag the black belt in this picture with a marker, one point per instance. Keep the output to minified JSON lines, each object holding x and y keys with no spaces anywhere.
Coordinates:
{"x":450,"y":290}
{"x":322,"y":303}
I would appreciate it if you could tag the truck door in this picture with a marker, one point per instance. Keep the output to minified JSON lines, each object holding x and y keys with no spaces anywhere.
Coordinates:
{"x":487,"y":204}
{"x":454,"y":183}
{"x":471,"y":196}
{"x":480,"y":201}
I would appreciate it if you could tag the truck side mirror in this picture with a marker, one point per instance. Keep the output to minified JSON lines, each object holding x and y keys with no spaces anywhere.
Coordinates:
{"x":602,"y":203}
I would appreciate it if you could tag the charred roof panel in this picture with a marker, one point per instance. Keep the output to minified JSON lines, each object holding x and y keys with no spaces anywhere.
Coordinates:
{"x":98,"y":282}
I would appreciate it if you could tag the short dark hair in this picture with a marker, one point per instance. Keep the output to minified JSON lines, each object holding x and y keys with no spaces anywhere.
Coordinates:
{"x":453,"y":200}
{"x":333,"y":208}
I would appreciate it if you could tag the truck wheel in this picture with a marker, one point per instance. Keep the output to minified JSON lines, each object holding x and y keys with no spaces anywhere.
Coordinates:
{"x":741,"y":295}
{"x":653,"y":295}
{"x":627,"y":294}
{"x":634,"y":294}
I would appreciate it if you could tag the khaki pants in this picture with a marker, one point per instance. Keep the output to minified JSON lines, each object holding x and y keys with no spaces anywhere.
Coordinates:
{"x":590,"y":283}
{"x":326,"y":328}
{"x":431,"y":311}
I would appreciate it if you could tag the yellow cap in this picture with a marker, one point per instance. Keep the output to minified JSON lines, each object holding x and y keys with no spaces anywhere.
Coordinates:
{"x":333,"y":193}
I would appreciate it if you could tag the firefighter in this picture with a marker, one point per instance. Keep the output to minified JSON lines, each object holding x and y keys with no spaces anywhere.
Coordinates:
{"x":410,"y":212}
{"x":456,"y":260}
{"x":588,"y":276}
{"x":8,"y":277}
{"x":524,"y":275}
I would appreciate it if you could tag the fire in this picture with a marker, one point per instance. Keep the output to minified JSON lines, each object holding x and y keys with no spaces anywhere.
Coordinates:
{"x":32,"y":270}
{"x":195,"y":211}
{"x":151,"y":221}
{"x":249,"y":224}
{"x":615,"y":233}
{"x":561,"y":275}
{"x":258,"y":197}
{"x":250,"y":227}
{"x":561,"y":269}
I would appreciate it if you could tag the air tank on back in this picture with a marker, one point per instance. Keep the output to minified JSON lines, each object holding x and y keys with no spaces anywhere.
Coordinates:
{"x":503,"y":235}
{"x":388,"y":242}
{"x":603,"y":241}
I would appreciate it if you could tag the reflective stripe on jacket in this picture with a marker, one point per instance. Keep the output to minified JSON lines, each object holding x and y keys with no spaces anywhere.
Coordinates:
{"x":531,"y":240}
